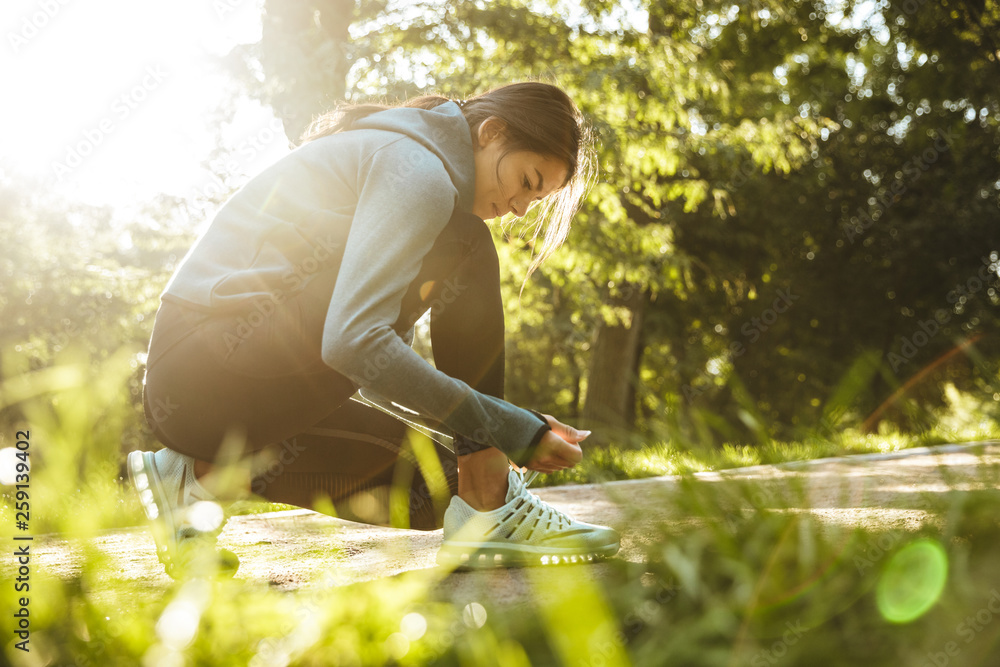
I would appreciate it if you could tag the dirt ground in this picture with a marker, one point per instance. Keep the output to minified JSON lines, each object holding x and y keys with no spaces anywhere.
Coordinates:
{"x":300,"y":549}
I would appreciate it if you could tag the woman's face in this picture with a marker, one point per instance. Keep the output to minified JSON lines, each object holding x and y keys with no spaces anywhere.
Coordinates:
{"x":522,"y":176}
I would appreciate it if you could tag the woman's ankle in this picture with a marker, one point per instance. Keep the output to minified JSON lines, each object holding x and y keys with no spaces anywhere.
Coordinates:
{"x":224,"y":483}
{"x":201,"y":468}
{"x":482,"y":479}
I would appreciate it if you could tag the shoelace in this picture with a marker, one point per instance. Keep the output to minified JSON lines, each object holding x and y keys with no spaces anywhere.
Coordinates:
{"x":546,"y":511}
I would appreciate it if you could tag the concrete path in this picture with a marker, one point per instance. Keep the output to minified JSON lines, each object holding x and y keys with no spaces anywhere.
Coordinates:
{"x":300,"y":549}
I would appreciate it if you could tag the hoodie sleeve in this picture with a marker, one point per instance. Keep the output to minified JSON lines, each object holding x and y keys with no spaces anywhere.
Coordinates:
{"x":405,"y":200}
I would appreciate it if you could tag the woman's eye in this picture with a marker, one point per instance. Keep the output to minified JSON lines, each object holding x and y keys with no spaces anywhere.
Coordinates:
{"x":527,"y":183}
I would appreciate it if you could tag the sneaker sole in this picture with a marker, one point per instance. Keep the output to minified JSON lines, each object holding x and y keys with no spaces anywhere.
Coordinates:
{"x":146,"y":482}
{"x":473,"y":555}
{"x":176,"y":555}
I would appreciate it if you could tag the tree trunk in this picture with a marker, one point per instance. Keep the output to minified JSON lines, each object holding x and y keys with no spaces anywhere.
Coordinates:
{"x":609,"y":408}
{"x":632,"y":399}
{"x":304,"y":58}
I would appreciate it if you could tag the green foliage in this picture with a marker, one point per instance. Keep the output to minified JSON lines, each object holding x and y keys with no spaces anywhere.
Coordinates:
{"x":88,"y":279}
{"x":616,"y":462}
{"x":740,"y":150}
{"x":842,"y":155}
{"x":857,"y":232}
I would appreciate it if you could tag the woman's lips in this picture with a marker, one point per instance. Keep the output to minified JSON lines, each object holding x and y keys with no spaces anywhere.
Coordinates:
{"x":496,"y":211}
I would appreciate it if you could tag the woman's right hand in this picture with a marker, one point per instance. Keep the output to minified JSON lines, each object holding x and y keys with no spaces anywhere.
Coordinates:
{"x":558,"y":449}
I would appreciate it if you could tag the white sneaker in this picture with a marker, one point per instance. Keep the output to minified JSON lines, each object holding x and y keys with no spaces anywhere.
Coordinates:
{"x":182,"y":512}
{"x":524,"y":531}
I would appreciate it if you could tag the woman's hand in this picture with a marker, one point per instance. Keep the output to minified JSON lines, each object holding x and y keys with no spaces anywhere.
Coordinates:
{"x":558,"y":448}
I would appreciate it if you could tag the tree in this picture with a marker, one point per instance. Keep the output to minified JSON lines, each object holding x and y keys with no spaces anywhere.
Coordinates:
{"x":82,"y":280}
{"x":896,"y":207}
{"x":299,"y":68}
{"x":765,"y":244}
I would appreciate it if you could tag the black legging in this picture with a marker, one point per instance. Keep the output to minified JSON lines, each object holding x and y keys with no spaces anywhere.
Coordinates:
{"x":258,"y":373}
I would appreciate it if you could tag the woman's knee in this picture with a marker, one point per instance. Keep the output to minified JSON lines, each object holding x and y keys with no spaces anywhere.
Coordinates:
{"x":482,"y":252}
{"x":465,"y":238}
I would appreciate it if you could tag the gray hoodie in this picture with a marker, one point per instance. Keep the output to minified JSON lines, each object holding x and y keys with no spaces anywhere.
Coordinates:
{"x":359,"y":209}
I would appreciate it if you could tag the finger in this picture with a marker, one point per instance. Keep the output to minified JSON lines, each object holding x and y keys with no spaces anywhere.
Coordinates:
{"x":570,"y":455}
{"x":565,"y":432}
{"x":554,"y":451}
{"x":544,"y":465}
{"x":569,"y":433}
{"x":575,"y":435}
{"x":549,"y":464}
{"x":559,"y":465}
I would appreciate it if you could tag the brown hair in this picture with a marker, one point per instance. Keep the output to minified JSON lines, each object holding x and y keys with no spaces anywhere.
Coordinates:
{"x":537,"y":117}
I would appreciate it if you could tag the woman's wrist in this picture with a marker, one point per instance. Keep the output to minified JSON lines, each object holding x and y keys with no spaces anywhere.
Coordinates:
{"x":539,"y":415}
{"x":528,"y":453}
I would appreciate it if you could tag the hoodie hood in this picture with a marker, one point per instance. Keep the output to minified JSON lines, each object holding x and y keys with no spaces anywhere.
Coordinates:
{"x":444,"y":131}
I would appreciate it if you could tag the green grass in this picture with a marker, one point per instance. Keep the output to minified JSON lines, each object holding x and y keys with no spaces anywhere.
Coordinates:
{"x":734,"y":583}
{"x":616,"y":463}
{"x":754,"y":586}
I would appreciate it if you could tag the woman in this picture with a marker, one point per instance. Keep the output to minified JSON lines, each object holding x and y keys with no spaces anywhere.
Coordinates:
{"x":291,"y":319}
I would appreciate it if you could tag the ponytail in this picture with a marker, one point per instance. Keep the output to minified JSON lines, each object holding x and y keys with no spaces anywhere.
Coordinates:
{"x":343,"y":116}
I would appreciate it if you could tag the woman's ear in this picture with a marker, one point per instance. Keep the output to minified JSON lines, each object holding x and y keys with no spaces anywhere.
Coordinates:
{"x":490,"y":130}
